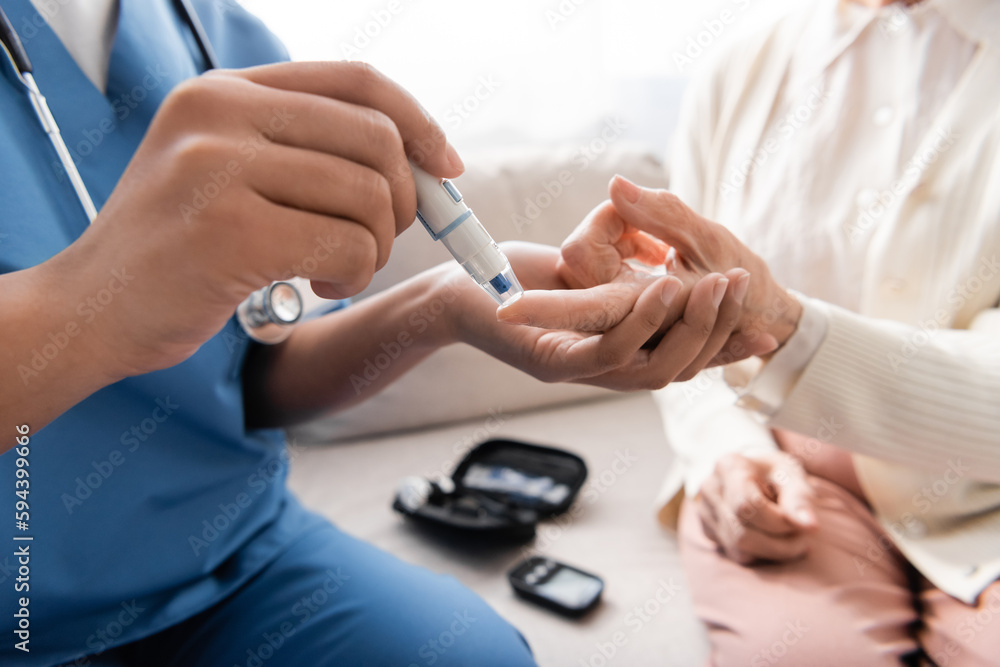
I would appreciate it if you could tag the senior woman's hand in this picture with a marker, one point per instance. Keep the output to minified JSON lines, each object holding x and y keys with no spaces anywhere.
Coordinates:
{"x":758,"y":507}
{"x":642,"y":233}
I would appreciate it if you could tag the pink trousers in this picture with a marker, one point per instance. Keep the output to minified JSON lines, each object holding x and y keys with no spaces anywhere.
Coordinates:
{"x":852,"y":601}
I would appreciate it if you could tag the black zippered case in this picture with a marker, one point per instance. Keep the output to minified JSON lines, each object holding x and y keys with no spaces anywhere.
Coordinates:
{"x":502,"y":489}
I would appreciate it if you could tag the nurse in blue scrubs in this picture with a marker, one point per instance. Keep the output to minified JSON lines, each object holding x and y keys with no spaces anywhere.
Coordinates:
{"x":162,"y":531}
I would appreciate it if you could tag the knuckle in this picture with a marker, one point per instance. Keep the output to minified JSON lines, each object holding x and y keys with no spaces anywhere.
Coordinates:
{"x":359,"y":261}
{"x":382,"y":133}
{"x":574,"y":252}
{"x":650,"y":319}
{"x":654,"y":382}
{"x":195,"y":152}
{"x":189,"y":92}
{"x":608,"y":357}
{"x":686,"y":375}
{"x":728,"y":319}
{"x":363,"y":73}
{"x":669,"y":199}
{"x":744,"y":545}
{"x":372,"y":188}
{"x":745,"y":509}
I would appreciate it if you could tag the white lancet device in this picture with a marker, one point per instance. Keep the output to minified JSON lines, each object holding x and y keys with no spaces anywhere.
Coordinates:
{"x":444,"y":214}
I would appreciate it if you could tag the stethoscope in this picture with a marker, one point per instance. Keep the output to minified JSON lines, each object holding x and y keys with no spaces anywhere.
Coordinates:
{"x":268,"y":314}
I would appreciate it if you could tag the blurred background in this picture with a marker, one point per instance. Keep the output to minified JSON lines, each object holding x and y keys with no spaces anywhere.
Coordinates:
{"x":539,"y":72}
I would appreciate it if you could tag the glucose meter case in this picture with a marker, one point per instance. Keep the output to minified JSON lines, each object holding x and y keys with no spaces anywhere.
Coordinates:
{"x":501,"y":489}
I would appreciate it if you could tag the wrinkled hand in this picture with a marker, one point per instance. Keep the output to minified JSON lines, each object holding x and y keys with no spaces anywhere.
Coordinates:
{"x":655,"y":229}
{"x":758,"y":508}
{"x":611,"y":356}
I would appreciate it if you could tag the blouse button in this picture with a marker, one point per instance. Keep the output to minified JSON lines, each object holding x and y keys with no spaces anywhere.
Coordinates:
{"x":883,"y":116}
{"x":893,"y":286}
{"x":866,"y":198}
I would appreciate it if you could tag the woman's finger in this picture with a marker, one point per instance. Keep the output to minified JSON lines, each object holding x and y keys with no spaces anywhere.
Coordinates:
{"x":754,"y":545}
{"x":796,"y":497}
{"x":685,"y":340}
{"x":622,"y":344}
{"x":730,"y":310}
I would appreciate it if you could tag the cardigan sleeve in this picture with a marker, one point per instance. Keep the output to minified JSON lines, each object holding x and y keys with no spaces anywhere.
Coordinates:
{"x":904,"y":394}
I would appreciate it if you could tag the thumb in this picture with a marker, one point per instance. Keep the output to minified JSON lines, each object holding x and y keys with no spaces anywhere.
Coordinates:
{"x":795,"y":495}
{"x":656,"y":212}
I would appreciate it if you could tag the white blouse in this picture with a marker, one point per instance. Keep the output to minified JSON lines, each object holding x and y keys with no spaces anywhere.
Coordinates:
{"x":857,"y":150}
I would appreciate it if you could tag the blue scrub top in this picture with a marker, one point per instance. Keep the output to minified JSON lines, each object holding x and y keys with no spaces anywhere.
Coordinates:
{"x":149,"y":500}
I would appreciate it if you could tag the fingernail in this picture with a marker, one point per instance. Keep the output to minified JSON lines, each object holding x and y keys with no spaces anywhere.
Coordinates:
{"x":742,"y":285}
{"x":719,"y":291}
{"x":453,"y":159}
{"x":669,"y":292}
{"x":631,"y":191}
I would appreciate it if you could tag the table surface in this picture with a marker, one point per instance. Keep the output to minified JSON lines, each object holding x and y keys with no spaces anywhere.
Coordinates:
{"x":646,"y":616}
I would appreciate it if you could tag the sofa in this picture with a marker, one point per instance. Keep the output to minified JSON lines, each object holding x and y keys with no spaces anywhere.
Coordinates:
{"x":347,"y":465}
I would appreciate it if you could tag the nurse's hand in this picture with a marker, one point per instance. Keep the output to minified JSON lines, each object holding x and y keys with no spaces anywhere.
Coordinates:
{"x":603,"y":335}
{"x":246,"y":177}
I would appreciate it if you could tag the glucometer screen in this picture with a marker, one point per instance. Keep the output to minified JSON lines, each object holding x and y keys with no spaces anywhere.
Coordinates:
{"x":511,"y":482}
{"x":570,"y":588}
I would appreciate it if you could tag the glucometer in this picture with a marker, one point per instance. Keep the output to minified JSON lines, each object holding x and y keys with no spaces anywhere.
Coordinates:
{"x":556,"y":586}
{"x":446,"y":217}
